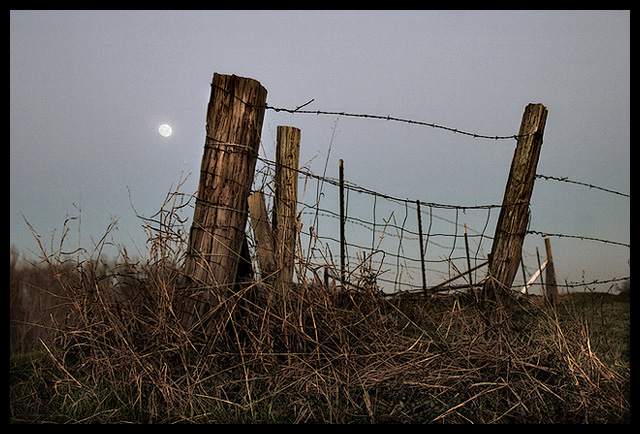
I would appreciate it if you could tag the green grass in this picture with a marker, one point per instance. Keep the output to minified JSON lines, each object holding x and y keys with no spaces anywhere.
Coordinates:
{"x":608,"y":317}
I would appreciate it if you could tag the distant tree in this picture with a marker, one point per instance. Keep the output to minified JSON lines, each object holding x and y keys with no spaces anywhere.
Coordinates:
{"x":624,"y":288}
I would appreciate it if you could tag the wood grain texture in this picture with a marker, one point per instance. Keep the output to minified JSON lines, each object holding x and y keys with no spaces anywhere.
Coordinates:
{"x":234,"y":123}
{"x":262,"y":234}
{"x":285,"y":219}
{"x":511,"y":228}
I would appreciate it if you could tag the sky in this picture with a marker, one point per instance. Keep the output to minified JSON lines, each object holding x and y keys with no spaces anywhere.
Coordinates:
{"x":88,"y":90}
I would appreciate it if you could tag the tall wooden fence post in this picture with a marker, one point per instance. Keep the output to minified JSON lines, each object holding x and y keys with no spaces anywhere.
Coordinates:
{"x":234,"y":123}
{"x":285,"y":221}
{"x":511,"y":228}
{"x":551,"y":288}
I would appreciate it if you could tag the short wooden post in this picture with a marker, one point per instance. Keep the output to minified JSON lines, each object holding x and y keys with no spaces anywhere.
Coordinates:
{"x":551,"y":288}
{"x":424,"y":270}
{"x":285,"y":221}
{"x":466,"y":247}
{"x":524,"y":276}
{"x":342,"y":218}
{"x":540,"y":268}
{"x":511,"y":228}
{"x":262,"y":234}
{"x":234,"y":123}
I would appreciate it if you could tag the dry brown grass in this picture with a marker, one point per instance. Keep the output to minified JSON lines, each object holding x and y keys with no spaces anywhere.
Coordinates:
{"x":121,"y":352}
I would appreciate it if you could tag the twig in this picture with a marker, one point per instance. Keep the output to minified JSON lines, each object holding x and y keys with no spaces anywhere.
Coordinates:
{"x":59,"y":364}
{"x":303,"y":105}
{"x":477,"y":395}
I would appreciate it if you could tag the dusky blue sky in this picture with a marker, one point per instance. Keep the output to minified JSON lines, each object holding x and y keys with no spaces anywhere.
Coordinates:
{"x":88,"y":90}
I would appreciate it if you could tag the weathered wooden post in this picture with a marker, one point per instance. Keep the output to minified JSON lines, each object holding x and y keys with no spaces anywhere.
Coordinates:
{"x":285,"y":218}
{"x":511,"y":228}
{"x":551,"y":288}
{"x":234,"y":123}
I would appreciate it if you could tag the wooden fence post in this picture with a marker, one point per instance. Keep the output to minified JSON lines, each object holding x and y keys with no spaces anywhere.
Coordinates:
{"x":424,"y":271}
{"x":540,"y":268}
{"x":342,"y":219}
{"x":551,"y":288}
{"x":285,"y":222}
{"x":235,"y":114}
{"x":466,"y":247}
{"x":511,"y":228}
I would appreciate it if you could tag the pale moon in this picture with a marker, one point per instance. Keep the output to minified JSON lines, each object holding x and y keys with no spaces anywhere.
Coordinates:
{"x":165,"y":130}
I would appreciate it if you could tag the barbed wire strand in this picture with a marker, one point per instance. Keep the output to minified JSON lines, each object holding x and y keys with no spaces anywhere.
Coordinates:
{"x":570,"y":181}
{"x":394,"y":119}
{"x":580,"y":237}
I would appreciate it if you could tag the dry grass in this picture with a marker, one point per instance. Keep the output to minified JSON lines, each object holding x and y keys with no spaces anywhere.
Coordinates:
{"x":121,"y":352}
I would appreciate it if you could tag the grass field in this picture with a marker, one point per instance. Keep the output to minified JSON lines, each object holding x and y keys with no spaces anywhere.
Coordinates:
{"x":118,"y":352}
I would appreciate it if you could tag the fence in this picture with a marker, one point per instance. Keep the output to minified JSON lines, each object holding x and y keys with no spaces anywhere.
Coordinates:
{"x":383,"y":235}
{"x":395,"y":244}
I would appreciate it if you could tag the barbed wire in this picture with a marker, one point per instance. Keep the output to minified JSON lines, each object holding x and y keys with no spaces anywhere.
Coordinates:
{"x":404,"y":267}
{"x":363,"y":190}
{"x":570,"y":181}
{"x":359,"y":189}
{"x":593,"y":282}
{"x":390,"y":257}
{"x":580,"y":237}
{"x":429,"y":124}
{"x":298,"y":110}
{"x":394,"y":119}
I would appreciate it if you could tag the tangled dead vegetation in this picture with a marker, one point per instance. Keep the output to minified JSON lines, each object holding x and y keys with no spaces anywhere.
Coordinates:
{"x":123,"y":353}
{"x":325,"y":358}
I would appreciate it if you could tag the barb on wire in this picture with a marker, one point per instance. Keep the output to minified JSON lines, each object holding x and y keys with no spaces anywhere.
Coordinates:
{"x":594,"y":282}
{"x":304,"y":105}
{"x":570,"y":181}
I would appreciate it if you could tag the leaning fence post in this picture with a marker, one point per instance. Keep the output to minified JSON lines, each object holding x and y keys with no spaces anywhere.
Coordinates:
{"x":524,"y":276}
{"x":551,"y":289}
{"x":540,"y":268}
{"x":511,"y":228}
{"x":235,"y":114}
{"x":466,"y":247}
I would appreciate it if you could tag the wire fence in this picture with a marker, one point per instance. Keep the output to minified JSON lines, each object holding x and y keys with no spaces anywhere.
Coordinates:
{"x":385,"y":245}
{"x":383,"y":237}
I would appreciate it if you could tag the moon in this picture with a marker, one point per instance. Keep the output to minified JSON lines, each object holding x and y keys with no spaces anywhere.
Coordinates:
{"x":165,"y":130}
